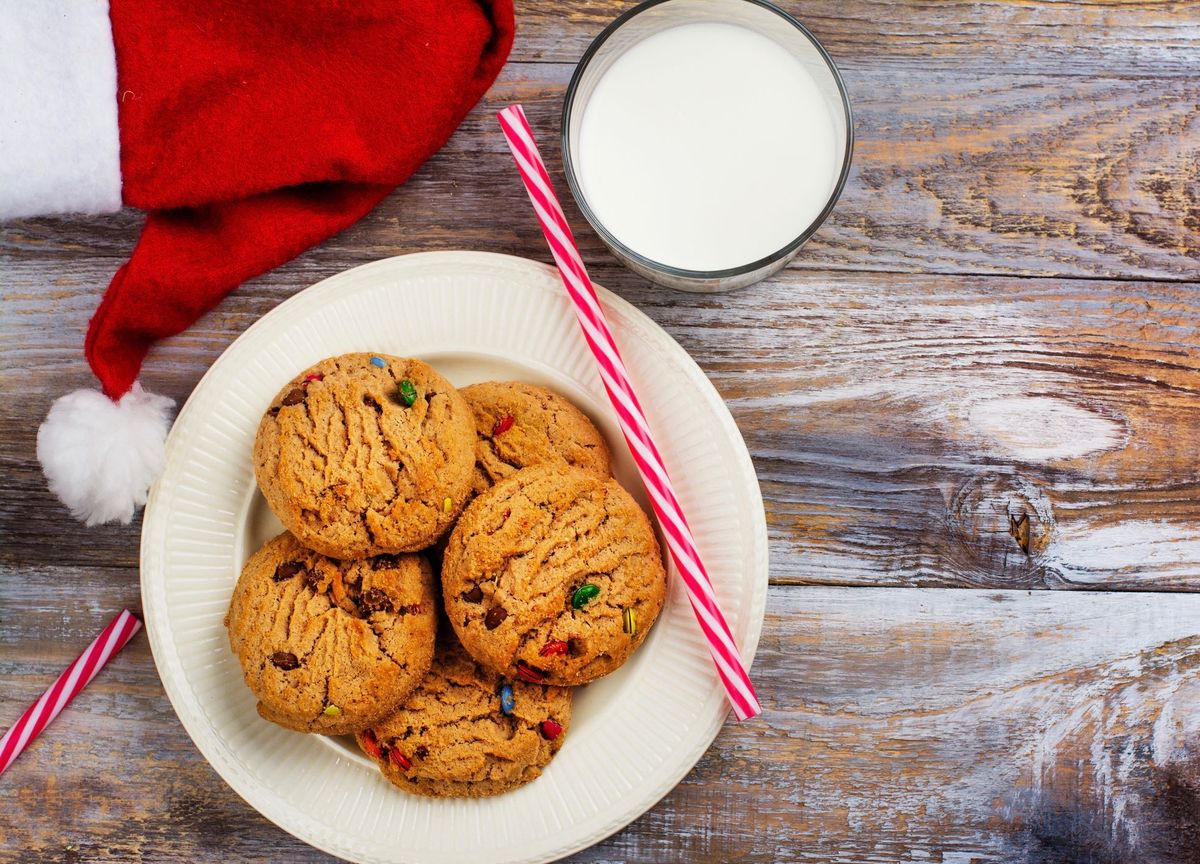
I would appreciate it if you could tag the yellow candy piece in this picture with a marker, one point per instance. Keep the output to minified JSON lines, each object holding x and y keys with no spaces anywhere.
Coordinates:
{"x":447,"y":505}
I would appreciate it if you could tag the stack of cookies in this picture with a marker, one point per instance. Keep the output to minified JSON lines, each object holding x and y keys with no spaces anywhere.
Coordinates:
{"x":454,"y":562}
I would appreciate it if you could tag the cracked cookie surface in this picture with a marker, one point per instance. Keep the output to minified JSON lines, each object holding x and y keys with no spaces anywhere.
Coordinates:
{"x":553,"y":575}
{"x":329,"y":646}
{"x":352,"y":470}
{"x":519,"y":425}
{"x":452,"y":738}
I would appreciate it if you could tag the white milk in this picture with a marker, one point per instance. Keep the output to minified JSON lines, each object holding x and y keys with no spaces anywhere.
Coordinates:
{"x":707,"y":146}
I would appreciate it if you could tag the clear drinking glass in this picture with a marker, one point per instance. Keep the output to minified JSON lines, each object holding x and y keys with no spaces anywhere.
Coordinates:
{"x":652,"y":17}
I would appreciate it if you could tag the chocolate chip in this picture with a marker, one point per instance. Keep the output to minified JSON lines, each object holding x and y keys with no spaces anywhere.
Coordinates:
{"x":422,"y":751}
{"x":385,"y":562}
{"x":495,"y":617}
{"x":287,"y":570}
{"x":374,"y":600}
{"x":273,"y":412}
{"x":285,"y":660}
{"x":312,"y":580}
{"x":293,"y":398}
{"x":475,"y":595}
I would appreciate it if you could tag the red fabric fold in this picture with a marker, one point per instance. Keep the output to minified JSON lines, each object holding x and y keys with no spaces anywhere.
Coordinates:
{"x":252,"y":131}
{"x":188,"y":259}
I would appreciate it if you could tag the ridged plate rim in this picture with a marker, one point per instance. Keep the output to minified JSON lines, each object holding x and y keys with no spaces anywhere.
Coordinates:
{"x":646,"y":348}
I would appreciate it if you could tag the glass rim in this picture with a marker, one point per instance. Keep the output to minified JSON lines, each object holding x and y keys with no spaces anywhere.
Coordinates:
{"x":741,"y":270}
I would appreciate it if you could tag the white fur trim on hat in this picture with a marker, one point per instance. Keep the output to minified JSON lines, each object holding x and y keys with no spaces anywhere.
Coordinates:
{"x":59,"y":145}
{"x":101,"y":456}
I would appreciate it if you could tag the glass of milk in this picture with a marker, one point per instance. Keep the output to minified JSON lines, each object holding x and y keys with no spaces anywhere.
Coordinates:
{"x":706,"y":140}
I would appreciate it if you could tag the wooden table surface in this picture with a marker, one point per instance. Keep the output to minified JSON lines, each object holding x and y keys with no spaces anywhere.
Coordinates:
{"x":973,"y":403}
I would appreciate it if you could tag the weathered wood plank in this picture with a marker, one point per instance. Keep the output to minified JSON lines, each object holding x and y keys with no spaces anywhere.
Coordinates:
{"x":909,"y":430}
{"x":899,"y":725}
{"x":902,"y":426}
{"x":1048,"y":37}
{"x":954,"y":172}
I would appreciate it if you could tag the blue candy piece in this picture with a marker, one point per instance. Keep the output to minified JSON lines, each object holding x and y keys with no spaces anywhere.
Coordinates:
{"x":379,"y":361}
{"x":507,"y":701}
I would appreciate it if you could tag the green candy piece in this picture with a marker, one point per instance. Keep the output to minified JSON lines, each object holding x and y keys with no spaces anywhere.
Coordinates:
{"x":408,"y":393}
{"x":332,"y":711}
{"x":584,"y":593}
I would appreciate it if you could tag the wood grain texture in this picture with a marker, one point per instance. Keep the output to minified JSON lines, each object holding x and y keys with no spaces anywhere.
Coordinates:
{"x":981,"y":373}
{"x":899,"y":726}
{"x":954,"y":172}
{"x":1045,"y":37}
{"x":902,"y":426}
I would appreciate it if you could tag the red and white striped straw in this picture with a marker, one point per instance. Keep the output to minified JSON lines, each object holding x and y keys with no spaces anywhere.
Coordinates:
{"x":76,"y":676}
{"x":629,"y":413}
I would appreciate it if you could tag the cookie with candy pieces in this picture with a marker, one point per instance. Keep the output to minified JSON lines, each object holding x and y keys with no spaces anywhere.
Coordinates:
{"x":554,"y":575}
{"x":329,"y":646}
{"x":467,"y":732}
{"x":366,"y":454}
{"x":519,"y":425}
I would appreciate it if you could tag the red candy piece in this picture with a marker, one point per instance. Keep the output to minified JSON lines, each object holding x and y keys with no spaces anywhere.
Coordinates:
{"x":554,"y":647}
{"x":551,"y":729}
{"x":529,"y":673}
{"x":402,"y":761}
{"x":371,"y":744}
{"x":314,"y":377}
{"x":503,"y":425}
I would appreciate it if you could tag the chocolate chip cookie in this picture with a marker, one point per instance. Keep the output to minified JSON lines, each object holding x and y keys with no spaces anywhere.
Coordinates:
{"x":466,"y":732}
{"x":366,"y":454}
{"x":519,"y":425}
{"x":329,"y":646}
{"x":554,"y":575}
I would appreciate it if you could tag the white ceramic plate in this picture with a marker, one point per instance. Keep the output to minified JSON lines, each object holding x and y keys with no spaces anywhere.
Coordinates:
{"x":476,"y":317}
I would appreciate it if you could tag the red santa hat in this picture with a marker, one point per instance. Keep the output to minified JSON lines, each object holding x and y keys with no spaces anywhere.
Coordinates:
{"x":249,"y":130}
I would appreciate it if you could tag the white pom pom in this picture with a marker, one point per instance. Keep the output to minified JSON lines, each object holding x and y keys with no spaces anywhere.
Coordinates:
{"x":101,"y":456}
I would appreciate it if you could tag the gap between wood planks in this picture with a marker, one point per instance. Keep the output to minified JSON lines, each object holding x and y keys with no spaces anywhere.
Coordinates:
{"x":968,"y":173}
{"x":809,"y":270}
{"x":1059,"y":39}
{"x":898,"y":425}
{"x":999,"y":726}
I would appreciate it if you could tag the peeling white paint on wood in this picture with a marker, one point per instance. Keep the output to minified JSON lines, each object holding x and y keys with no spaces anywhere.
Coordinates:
{"x":910,"y":724}
{"x":1086,"y":553}
{"x":952,"y":726}
{"x":1044,"y":428}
